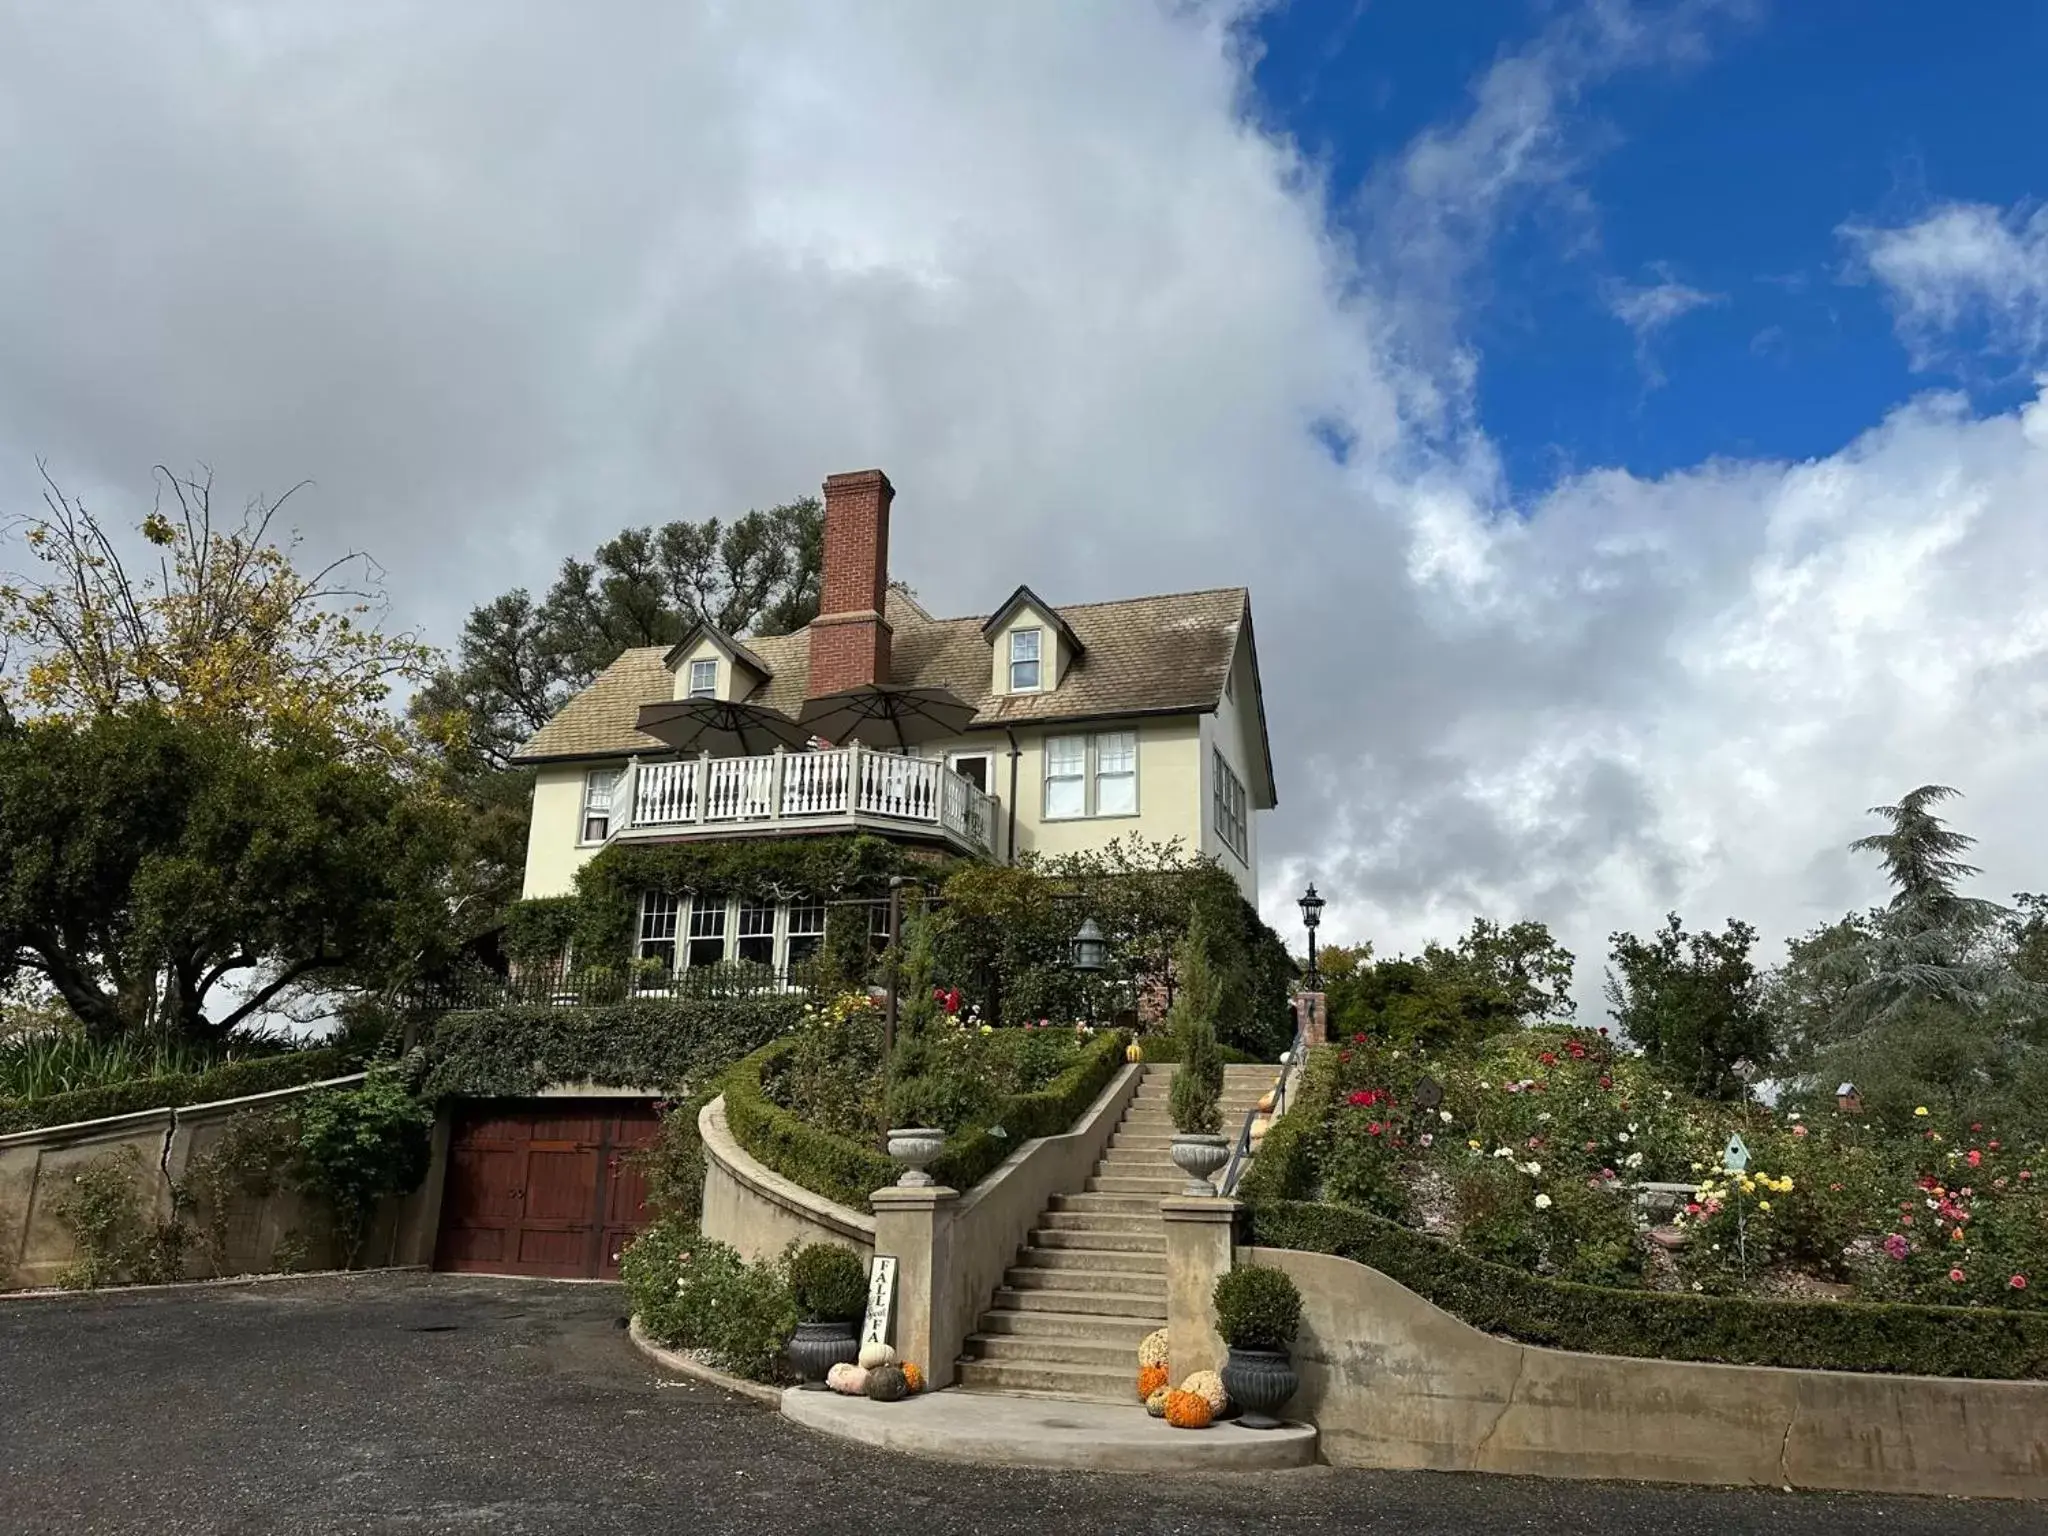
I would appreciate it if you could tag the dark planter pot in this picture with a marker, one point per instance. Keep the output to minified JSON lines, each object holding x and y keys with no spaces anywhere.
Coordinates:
{"x":1259,"y":1381}
{"x":817,"y":1347}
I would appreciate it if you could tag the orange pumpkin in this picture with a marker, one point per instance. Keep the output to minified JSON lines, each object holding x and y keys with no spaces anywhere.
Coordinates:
{"x":1150,"y":1379}
{"x":1187,"y":1410}
{"x":913,"y":1377}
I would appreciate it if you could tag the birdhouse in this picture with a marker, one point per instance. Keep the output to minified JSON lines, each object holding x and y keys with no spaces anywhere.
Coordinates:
{"x":1848,"y":1100}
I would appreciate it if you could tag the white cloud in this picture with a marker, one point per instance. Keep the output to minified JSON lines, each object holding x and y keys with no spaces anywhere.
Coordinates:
{"x":1647,"y":310}
{"x":1965,"y":267}
{"x":500,"y":288}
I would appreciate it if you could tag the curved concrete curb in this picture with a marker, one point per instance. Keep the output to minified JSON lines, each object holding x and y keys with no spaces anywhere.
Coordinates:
{"x":213,"y":1283}
{"x":683,"y":1365}
{"x":990,"y":1429}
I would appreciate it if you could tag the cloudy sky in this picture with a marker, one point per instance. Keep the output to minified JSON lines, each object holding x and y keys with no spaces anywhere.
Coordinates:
{"x":1626,"y":417}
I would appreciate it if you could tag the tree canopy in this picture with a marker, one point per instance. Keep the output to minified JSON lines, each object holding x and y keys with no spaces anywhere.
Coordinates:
{"x":1694,"y":1002}
{"x":1495,"y":978}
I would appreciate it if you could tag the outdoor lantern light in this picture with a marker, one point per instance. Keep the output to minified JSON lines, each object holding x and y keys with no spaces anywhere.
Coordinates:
{"x":1311,"y":916}
{"x":1090,"y":950}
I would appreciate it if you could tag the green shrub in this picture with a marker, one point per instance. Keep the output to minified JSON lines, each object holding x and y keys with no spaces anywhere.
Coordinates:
{"x":691,"y":1292}
{"x":1737,"y":1330}
{"x":831,"y":1077}
{"x":358,"y":1145}
{"x":230,"y":1080}
{"x":42,"y":1062}
{"x":673,"y":1163}
{"x":971,"y":1155}
{"x":1162,"y":1049}
{"x":247,"y":1160}
{"x":827,"y":1284}
{"x":1257,"y":1307}
{"x":1290,"y":1161}
{"x":826,"y":1164}
{"x":1195,"y":1100}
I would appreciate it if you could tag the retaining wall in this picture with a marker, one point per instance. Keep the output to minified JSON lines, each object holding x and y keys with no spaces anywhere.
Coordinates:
{"x":758,"y":1211}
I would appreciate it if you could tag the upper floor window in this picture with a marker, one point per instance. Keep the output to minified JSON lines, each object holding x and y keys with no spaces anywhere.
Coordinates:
{"x":1233,"y":826}
{"x":1024,"y":659}
{"x":703,"y":679}
{"x":658,"y":913}
{"x":599,"y":785}
{"x":1091,"y":775}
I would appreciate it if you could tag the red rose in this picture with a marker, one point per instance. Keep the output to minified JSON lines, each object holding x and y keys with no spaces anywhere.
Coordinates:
{"x":2018,"y":1282}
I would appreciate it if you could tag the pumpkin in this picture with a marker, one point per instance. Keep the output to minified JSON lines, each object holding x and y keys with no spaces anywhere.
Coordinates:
{"x":1188,"y":1410}
{"x":1156,"y":1403}
{"x":872,"y":1355}
{"x":1266,"y":1102}
{"x":888,"y":1384}
{"x":1150,"y":1379}
{"x":1208,"y":1386}
{"x":1134,"y":1052}
{"x":912,"y":1376}
{"x":847,"y":1378}
{"x":1152,"y":1348}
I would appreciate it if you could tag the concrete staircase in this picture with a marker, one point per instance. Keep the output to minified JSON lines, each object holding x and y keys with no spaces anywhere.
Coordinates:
{"x":1091,"y":1280}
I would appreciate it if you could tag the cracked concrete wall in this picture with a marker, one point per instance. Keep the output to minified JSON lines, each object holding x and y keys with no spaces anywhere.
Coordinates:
{"x":1392,"y":1381}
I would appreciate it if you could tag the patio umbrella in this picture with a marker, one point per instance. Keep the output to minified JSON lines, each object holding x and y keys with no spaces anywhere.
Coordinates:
{"x":719,"y":726}
{"x":887,"y":714}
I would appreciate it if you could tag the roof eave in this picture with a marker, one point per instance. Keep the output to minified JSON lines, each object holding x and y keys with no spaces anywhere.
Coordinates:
{"x":1018,"y":599}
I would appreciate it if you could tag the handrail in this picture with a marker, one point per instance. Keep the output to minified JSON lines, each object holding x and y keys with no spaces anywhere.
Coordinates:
{"x":1241,"y":1149}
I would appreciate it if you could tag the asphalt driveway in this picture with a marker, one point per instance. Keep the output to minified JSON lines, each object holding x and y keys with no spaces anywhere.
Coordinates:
{"x":416,"y":1403}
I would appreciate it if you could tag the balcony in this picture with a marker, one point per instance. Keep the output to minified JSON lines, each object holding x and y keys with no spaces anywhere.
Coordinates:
{"x":851,"y":788}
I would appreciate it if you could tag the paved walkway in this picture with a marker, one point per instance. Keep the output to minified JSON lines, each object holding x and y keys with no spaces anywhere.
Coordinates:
{"x":414,"y":1403}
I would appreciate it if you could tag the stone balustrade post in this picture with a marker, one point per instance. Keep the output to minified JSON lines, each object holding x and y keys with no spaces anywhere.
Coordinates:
{"x":915,"y":1227}
{"x":1200,"y":1249}
{"x":1312,"y":1014}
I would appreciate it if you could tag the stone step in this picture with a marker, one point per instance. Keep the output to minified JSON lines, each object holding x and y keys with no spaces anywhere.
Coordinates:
{"x":1083,"y":1303}
{"x":1111,"y":1356}
{"x":1052,"y":1277}
{"x":1138,"y":1160}
{"x":1099,"y":1221}
{"x":1087,"y":1260}
{"x":1131,"y":1205}
{"x":1101,"y":1242}
{"x":1130,"y":1184}
{"x":1124,"y":1332}
{"x":1087,"y":1383}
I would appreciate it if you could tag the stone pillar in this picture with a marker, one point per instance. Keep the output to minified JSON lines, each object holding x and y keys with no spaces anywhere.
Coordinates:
{"x":915,"y":1227}
{"x":1312,"y":1014}
{"x":1200,"y":1248}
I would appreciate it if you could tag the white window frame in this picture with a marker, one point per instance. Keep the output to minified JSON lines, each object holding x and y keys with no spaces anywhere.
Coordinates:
{"x":988,"y":767}
{"x":652,"y":917}
{"x":1232,"y":808}
{"x":708,"y":688}
{"x":592,"y":809}
{"x":773,"y":934}
{"x":1091,"y":777}
{"x":790,"y":934}
{"x":699,"y":906}
{"x":1035,"y":661}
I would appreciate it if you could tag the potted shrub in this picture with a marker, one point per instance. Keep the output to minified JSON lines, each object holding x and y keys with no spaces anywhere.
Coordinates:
{"x":1195,"y":1104}
{"x":830,"y":1289}
{"x":1257,"y":1311}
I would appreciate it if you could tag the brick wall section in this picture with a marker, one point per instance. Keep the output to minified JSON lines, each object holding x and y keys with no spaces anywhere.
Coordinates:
{"x":850,"y":638}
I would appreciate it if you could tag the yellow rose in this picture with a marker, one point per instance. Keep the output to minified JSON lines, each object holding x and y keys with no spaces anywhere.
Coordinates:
{"x":1763,"y":1205}
{"x":1921,"y":1111}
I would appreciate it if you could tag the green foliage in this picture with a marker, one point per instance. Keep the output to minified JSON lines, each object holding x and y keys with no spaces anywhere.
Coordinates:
{"x":1195,"y":1100}
{"x":827,"y":1283}
{"x":145,"y":861}
{"x":113,"y":1238}
{"x":1493,"y":980}
{"x":1694,"y":1003}
{"x":669,"y":1046}
{"x":1257,"y":1307}
{"x":833,"y":1166}
{"x":40,"y":1063}
{"x":972,"y":1154}
{"x":832,"y":1076}
{"x":1498,"y":1299}
{"x":673,"y":1163}
{"x":231,"y":1080}
{"x":247,"y":1160}
{"x":538,"y":929}
{"x":358,"y":1145}
{"x":1290,"y":1161}
{"x":691,"y":1292}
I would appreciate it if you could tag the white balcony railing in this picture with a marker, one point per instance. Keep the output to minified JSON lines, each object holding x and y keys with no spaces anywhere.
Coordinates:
{"x":845,"y":784}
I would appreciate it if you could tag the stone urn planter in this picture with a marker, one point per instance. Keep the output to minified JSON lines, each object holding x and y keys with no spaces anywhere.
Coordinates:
{"x":1198,"y":1157}
{"x":817,"y":1347}
{"x":1259,"y":1381}
{"x":915,"y":1147}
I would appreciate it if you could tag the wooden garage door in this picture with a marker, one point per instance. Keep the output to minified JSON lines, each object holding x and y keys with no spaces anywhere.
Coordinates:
{"x":544,"y":1187}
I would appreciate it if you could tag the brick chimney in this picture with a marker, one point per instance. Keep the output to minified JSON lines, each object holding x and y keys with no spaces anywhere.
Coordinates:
{"x":849,"y":637}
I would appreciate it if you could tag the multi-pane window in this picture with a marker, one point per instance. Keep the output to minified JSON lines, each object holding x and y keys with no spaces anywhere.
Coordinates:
{"x":1232,"y":820}
{"x":757,"y":932}
{"x":658,"y":913}
{"x":806,"y":931}
{"x":878,"y":926}
{"x":704,"y":679}
{"x":599,"y":785}
{"x":707,"y":931}
{"x":1091,"y":775}
{"x":1024,"y":659}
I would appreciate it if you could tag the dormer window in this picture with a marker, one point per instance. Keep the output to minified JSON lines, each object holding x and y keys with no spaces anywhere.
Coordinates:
{"x":1024,"y":659}
{"x":703,"y":679}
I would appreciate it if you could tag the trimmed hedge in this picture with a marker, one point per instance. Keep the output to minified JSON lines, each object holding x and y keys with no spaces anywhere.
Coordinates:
{"x":848,"y":1172}
{"x":1163,"y":1050}
{"x":671,"y":1046}
{"x":1290,"y":1157}
{"x":229,"y":1080}
{"x":1665,"y":1325}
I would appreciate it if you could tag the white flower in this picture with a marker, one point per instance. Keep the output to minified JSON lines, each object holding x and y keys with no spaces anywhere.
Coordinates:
{"x":1444,"y":1115}
{"x":1502,"y":1152}
{"x":1621,"y":1135}
{"x":1667,"y":1100}
{"x":1631,"y":1125}
{"x":1534,"y":1170}
{"x":1544,"y":1118}
{"x":1543,"y":1202}
{"x":1633,"y":1160}
{"x":1485,"y":1084}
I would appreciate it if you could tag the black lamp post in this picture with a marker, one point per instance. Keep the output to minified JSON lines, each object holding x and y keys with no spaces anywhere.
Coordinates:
{"x":1088,"y":953}
{"x":1311,"y":917}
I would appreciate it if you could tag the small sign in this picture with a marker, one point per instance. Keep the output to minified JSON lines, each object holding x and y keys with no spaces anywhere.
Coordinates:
{"x":1429,"y":1093}
{"x":1736,"y":1157}
{"x":881,"y":1293}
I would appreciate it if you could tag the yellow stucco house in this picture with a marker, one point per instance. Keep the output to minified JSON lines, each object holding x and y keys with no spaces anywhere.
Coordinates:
{"x":1088,"y":722}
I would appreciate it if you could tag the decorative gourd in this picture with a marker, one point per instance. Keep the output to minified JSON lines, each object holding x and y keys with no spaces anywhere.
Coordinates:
{"x":1188,"y":1410}
{"x":1134,"y":1052}
{"x":1266,"y":1102}
{"x":847,"y":1378}
{"x":1208,"y":1386}
{"x":872,"y":1355}
{"x":912,"y":1376}
{"x":1152,"y":1348}
{"x":1150,"y":1379}
{"x":888,"y":1384}
{"x":1156,"y":1403}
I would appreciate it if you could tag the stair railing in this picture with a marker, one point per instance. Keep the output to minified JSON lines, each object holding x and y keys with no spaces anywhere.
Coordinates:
{"x":1241,"y":1149}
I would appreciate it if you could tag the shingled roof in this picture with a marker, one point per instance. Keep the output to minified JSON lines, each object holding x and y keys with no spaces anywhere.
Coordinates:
{"x":1142,"y":656}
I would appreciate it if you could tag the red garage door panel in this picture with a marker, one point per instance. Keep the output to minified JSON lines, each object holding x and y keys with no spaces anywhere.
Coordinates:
{"x":544,"y":1188}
